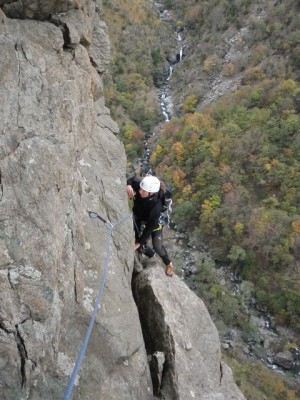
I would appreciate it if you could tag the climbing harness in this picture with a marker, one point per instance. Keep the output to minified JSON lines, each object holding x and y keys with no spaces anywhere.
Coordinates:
{"x":81,"y":353}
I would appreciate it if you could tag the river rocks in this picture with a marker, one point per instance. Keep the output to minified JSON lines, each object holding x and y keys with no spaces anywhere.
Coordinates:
{"x":172,"y":59}
{"x":284,"y":359}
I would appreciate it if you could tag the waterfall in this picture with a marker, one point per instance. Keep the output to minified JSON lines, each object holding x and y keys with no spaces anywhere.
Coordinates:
{"x":142,"y":164}
{"x":171,"y":67}
{"x":164,"y":104}
{"x":164,"y":92}
{"x":180,"y":53}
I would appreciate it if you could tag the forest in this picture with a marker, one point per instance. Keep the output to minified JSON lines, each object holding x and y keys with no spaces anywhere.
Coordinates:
{"x":236,"y":175}
{"x":234,"y":162}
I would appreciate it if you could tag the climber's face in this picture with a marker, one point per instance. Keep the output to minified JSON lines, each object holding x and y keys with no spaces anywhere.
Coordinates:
{"x":143,"y":193}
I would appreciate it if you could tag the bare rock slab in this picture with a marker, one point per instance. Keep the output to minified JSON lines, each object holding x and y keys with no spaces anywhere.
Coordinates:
{"x":175,"y":322}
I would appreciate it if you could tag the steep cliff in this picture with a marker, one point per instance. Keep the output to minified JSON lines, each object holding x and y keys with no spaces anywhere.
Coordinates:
{"x":181,"y":340}
{"x":60,"y":156}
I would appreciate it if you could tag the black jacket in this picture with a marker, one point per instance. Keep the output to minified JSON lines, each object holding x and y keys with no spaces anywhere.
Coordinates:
{"x":146,"y":210}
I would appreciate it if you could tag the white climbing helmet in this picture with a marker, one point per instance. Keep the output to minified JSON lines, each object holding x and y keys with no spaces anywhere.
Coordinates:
{"x":150,"y":184}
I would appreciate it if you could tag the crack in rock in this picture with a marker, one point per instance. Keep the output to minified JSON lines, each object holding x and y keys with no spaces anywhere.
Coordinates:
{"x":23,"y":355}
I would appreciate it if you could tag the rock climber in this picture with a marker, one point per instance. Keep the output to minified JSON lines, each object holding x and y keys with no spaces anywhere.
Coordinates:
{"x":148,"y":200}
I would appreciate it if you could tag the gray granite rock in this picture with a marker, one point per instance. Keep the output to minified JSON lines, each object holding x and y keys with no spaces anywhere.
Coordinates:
{"x":176,"y":323}
{"x":60,"y":156}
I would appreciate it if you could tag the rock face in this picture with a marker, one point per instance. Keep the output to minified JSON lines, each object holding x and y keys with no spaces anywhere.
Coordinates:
{"x":59,"y":156}
{"x":181,"y":337}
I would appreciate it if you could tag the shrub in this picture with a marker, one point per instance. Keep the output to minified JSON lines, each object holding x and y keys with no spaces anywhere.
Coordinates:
{"x":250,"y":333}
{"x":253,"y":74}
{"x":193,"y":17}
{"x":190,"y":103}
{"x":212,"y":64}
{"x":262,"y":297}
{"x":258,"y":54}
{"x":255,"y":97}
{"x":295,"y":56}
{"x":236,"y":255}
{"x":156,"y":56}
{"x":260,"y":30}
{"x":184,"y":211}
{"x":228,"y":70}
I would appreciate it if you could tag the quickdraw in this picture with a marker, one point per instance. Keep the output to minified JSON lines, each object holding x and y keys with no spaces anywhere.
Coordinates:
{"x":93,"y":214}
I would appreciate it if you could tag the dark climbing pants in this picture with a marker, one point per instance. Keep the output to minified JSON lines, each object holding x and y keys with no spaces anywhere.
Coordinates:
{"x":158,"y":247}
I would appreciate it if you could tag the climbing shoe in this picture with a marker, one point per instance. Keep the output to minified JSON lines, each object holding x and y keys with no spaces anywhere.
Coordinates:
{"x":169,"y":269}
{"x":146,"y":250}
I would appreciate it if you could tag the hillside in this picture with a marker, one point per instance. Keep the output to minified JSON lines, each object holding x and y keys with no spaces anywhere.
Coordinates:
{"x":139,"y":44}
{"x":232,"y":150}
{"x":235,"y":43}
{"x":236,"y":159}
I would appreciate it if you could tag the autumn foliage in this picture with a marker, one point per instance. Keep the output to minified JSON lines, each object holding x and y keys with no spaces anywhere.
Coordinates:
{"x":235,"y":171}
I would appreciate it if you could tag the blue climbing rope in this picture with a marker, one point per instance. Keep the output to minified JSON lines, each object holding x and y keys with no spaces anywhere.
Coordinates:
{"x":82,"y":351}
